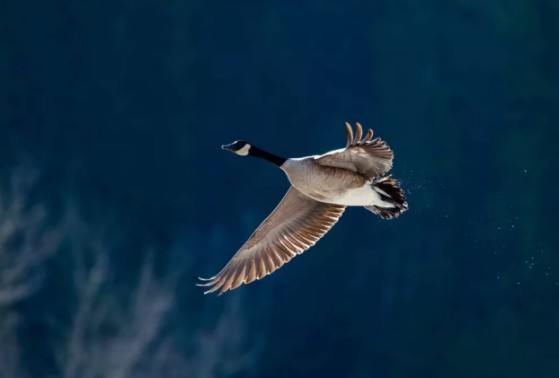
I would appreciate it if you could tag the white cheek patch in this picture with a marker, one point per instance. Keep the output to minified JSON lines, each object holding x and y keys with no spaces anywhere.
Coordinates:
{"x":243,"y":151}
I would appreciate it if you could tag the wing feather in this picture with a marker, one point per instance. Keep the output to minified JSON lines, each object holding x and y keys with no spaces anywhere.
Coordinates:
{"x":295,"y":225}
{"x":369,"y":157}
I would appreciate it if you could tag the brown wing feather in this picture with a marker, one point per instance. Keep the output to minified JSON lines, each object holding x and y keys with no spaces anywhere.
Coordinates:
{"x":295,"y":225}
{"x":369,"y":157}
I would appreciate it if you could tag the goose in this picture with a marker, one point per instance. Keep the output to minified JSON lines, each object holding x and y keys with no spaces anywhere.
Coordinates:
{"x":322,"y":186}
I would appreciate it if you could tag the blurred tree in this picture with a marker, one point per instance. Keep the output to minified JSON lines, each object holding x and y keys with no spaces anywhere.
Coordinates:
{"x":108,"y":327}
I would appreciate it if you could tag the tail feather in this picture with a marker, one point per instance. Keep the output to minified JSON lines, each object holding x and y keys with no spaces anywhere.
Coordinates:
{"x":389,"y":190}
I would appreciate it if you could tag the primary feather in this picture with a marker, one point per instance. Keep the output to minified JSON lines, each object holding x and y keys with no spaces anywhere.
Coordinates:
{"x":294,"y":226}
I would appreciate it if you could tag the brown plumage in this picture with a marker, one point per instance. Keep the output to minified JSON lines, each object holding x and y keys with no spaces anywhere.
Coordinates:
{"x":296,"y":224}
{"x":369,"y":157}
{"x":322,"y":187}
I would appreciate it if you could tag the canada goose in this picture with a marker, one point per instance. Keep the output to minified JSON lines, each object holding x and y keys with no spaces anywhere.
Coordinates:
{"x":321,"y":188}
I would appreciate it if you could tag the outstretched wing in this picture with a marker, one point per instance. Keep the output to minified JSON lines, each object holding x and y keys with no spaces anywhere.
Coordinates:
{"x":369,"y":157}
{"x":295,"y":225}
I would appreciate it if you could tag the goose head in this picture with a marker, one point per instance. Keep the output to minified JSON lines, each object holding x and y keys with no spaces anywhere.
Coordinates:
{"x":239,"y":147}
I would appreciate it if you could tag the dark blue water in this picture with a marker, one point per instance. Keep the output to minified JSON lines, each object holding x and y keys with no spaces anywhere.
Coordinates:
{"x":121,"y":109}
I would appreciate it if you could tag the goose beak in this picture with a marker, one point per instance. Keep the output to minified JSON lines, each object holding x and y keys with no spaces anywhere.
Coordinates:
{"x":227,"y":147}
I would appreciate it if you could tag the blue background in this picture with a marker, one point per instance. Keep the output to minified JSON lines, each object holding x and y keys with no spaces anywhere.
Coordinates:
{"x":122,"y":109}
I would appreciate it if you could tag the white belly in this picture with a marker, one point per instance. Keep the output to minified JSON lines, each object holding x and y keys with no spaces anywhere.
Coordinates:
{"x":363,"y":196}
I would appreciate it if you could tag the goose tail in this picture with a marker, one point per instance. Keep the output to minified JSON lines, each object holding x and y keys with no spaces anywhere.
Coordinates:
{"x":390,"y":192}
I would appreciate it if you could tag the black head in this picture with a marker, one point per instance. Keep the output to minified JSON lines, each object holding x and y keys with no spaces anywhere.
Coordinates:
{"x":239,"y":147}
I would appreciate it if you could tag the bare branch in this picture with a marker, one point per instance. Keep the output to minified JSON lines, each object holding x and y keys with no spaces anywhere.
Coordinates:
{"x":25,"y":239}
{"x":136,"y":319}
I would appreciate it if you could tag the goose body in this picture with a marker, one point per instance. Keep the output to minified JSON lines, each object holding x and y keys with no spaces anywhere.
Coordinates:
{"x":331,"y":184}
{"x":322,"y":186}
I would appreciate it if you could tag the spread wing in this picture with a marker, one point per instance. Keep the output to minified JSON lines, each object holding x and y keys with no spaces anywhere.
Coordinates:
{"x":369,"y":157}
{"x":295,"y":225}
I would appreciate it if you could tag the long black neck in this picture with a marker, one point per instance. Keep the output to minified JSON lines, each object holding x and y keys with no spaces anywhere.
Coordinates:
{"x":274,"y":159}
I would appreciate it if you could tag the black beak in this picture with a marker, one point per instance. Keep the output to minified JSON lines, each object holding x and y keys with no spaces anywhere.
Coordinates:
{"x":228,"y":147}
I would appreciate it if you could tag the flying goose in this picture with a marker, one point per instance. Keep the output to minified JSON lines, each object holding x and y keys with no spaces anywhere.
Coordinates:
{"x":322,"y":186}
